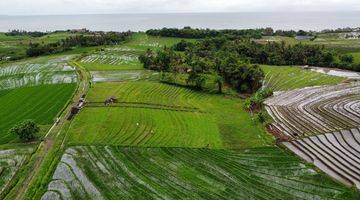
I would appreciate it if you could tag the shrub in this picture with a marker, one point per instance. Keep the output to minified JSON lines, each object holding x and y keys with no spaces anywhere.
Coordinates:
{"x":26,"y":130}
{"x":256,"y":100}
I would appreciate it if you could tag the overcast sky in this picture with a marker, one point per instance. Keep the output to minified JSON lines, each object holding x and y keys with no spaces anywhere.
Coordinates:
{"x":35,"y":7}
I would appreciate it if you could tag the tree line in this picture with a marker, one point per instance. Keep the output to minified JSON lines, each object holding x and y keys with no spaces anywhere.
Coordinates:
{"x":25,"y":33}
{"x":273,"y":53}
{"x":188,"y":32}
{"x":82,"y":40}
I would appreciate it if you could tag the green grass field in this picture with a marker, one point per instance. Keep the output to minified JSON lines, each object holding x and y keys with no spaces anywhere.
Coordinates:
{"x":288,"y":78}
{"x":156,"y":114}
{"x":40,"y":103}
{"x":90,"y":172}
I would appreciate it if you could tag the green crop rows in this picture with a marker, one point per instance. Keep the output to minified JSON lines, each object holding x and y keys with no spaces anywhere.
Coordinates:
{"x":288,"y":78}
{"x":178,"y":173}
{"x":156,"y":114}
{"x":40,"y":103}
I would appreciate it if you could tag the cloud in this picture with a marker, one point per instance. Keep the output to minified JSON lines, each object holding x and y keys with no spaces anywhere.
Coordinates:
{"x":25,"y":7}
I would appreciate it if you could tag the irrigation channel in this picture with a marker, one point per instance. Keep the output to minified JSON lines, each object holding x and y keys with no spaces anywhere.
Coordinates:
{"x":56,"y":134}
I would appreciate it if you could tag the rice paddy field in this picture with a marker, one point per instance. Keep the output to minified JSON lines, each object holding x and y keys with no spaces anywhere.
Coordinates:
{"x":155,"y":114}
{"x":35,"y":89}
{"x":11,"y":159}
{"x":33,"y":72}
{"x":89,"y":172}
{"x":39,"y":103}
{"x":125,"y":56}
{"x":123,"y":75}
{"x":280,"y":78}
{"x":157,"y":141}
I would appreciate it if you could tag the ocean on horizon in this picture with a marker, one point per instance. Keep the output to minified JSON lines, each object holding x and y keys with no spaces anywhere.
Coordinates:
{"x":141,"y":22}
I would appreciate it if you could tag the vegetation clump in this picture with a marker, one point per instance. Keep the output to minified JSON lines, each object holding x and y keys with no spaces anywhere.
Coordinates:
{"x":25,"y":33}
{"x":26,"y":130}
{"x":255,"y":102}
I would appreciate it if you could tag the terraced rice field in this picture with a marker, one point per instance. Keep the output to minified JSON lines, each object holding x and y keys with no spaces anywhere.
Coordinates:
{"x":87,"y":172}
{"x":125,"y":56}
{"x":123,"y":75}
{"x":156,"y":114}
{"x":145,"y":127}
{"x":280,"y":78}
{"x":40,"y":103}
{"x":316,"y":110}
{"x":337,"y":154}
{"x":112,"y":60}
{"x":37,"y":72}
{"x":10,"y":162}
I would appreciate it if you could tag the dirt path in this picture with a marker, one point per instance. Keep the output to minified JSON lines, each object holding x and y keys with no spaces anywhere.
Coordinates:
{"x":51,"y":137}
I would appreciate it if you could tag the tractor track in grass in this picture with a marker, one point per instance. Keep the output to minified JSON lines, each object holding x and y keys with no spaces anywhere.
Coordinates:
{"x":48,"y":143}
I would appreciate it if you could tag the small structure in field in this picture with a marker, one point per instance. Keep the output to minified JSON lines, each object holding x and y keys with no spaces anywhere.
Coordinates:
{"x":77,"y":107}
{"x":110,"y":100}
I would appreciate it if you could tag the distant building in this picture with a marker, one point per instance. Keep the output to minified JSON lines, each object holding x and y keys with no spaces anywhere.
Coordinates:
{"x":83,"y":30}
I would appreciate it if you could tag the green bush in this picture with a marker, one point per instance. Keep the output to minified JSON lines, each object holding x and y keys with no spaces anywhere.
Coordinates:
{"x":26,"y":130}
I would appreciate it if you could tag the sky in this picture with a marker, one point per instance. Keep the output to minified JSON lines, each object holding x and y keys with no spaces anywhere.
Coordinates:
{"x":64,"y":7}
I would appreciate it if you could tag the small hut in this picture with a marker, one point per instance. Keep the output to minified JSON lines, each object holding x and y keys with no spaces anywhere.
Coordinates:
{"x":110,"y":100}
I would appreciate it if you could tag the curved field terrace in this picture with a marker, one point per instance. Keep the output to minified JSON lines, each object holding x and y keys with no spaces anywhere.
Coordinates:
{"x":337,"y":154}
{"x":96,"y":172}
{"x":316,"y":110}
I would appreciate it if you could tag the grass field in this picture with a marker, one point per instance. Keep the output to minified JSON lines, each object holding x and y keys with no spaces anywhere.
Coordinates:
{"x":40,"y":103}
{"x":178,"y":173}
{"x":156,"y":114}
{"x":288,"y":78}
